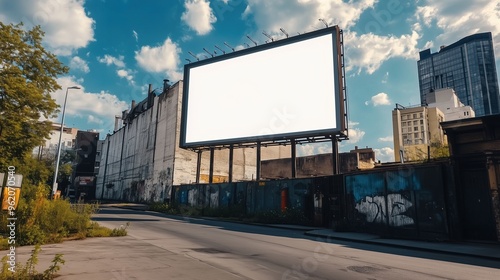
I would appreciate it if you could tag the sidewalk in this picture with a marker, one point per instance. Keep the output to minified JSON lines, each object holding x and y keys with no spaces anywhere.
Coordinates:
{"x":471,"y":249}
{"x":489,"y":251}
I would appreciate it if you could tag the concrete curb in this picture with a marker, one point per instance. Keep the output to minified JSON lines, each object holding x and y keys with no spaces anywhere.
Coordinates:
{"x":402,"y":246}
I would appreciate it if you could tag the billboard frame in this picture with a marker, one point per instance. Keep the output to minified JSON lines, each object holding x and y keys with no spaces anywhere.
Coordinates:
{"x":339,"y":91}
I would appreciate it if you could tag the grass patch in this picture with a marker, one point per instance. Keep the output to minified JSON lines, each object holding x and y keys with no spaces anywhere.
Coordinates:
{"x":97,"y":230}
{"x":41,"y":220}
{"x":28,"y":270}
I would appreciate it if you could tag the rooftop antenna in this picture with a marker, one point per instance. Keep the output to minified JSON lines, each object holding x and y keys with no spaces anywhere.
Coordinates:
{"x":284,"y":32}
{"x":323,"y":21}
{"x":223,"y":52}
{"x":194,"y":56}
{"x":255,"y":43}
{"x":247,"y":45}
{"x":208,"y":52}
{"x":228,"y":46}
{"x":188,"y":60}
{"x":268,"y":36}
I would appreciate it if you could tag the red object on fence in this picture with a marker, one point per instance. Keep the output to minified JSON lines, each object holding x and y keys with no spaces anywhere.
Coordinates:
{"x":284,"y":199}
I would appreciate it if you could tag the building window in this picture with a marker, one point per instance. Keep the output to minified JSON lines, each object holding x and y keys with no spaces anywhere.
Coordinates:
{"x":404,"y":117}
{"x":421,"y":115}
{"x":414,"y":116}
{"x":415,"y":135}
{"x":403,"y":124}
{"x":421,"y":121}
{"x":404,"y":129}
{"x":415,"y":122}
{"x":415,"y":128}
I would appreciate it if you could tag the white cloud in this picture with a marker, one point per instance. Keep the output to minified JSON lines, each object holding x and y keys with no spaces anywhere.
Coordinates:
{"x":136,"y":36}
{"x":380,"y":99}
{"x":386,"y":139}
{"x":460,"y":18}
{"x":122,"y":73}
{"x":98,"y":108}
{"x":161,"y":59}
{"x":355,"y":135}
{"x":314,"y":149}
{"x":111,"y":60}
{"x":65,"y":23}
{"x":79,"y":64}
{"x":368,"y":51}
{"x":199,"y":16}
{"x":303,"y":15}
{"x":119,"y":63}
{"x":385,"y":154}
{"x":93,"y":119}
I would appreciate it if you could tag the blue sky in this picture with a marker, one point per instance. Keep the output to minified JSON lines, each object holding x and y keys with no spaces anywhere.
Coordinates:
{"x":115,"y":48}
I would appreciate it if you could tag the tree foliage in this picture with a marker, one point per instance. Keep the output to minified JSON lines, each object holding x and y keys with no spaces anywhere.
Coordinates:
{"x":435,"y":150}
{"x":28,"y":75}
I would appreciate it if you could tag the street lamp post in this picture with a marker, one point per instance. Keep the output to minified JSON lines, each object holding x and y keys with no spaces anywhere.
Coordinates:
{"x":54,"y":185}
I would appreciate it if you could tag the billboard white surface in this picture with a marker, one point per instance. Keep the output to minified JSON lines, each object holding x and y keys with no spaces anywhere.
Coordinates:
{"x":287,"y":89}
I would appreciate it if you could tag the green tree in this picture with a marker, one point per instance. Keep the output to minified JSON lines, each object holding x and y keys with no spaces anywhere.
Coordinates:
{"x":439,"y":150}
{"x":27,"y":77}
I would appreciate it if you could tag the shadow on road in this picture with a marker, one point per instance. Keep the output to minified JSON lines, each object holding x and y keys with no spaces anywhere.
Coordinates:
{"x":145,"y":216}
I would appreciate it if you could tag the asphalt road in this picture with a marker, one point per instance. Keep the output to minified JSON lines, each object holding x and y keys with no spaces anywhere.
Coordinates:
{"x":223,"y":250}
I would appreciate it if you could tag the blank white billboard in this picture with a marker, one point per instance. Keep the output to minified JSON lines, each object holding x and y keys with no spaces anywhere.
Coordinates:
{"x":284,"y":89}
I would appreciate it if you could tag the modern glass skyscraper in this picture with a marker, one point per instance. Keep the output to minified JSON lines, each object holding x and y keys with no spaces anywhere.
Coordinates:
{"x":468,"y":67}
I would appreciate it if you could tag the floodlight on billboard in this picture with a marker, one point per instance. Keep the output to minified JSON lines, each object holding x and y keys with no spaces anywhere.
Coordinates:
{"x":286,"y":89}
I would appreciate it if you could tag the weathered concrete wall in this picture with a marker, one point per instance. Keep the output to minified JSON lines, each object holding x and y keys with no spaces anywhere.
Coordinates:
{"x":129,"y":167}
{"x":316,"y":165}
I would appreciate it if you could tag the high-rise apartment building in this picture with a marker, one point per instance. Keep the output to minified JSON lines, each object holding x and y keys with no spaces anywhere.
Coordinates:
{"x":414,"y":130}
{"x":468,"y":67}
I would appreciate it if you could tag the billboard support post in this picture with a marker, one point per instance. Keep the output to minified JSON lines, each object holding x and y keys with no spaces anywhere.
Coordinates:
{"x":211,"y":172}
{"x":335,"y":155}
{"x":257,"y":166}
{"x":198,"y":167}
{"x":231,"y":156}
{"x":294,"y":158}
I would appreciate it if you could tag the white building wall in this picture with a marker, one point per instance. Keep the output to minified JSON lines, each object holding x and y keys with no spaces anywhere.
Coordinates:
{"x":50,"y":145}
{"x":447,"y":102}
